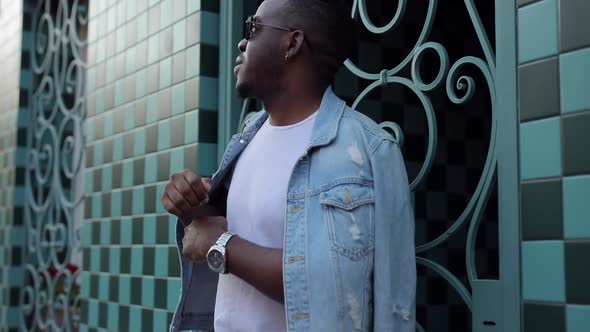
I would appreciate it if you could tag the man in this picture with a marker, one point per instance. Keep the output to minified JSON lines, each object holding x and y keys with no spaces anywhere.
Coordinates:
{"x":307,"y":225}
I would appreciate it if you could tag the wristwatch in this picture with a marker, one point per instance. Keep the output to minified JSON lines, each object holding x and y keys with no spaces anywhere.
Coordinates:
{"x":216,"y":257}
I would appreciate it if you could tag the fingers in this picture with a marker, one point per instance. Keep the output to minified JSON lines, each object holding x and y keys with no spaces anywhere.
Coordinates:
{"x":199,"y":189}
{"x":169,"y":205}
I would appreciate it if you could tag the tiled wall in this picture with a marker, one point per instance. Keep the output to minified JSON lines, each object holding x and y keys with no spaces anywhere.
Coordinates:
{"x":10,"y":184}
{"x":554,"y":74}
{"x":152,"y":110}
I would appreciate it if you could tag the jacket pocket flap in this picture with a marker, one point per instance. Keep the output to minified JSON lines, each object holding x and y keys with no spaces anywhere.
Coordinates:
{"x":348,"y":196}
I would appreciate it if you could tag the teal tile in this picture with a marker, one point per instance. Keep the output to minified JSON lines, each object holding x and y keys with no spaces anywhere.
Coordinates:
{"x":137,"y":260}
{"x":85,"y":284}
{"x":210,"y":35}
{"x":85,"y":234}
{"x":135,"y":318}
{"x":176,"y":161}
{"x":99,"y":107}
{"x":193,"y":6}
{"x":164,"y":135}
{"x":126,"y":231}
{"x":130,"y":56}
{"x":537,"y":30}
{"x":98,"y":153}
{"x":93,"y":313}
{"x":139,"y":140}
{"x":107,"y":173}
{"x":178,"y":99}
{"x":116,"y":204}
{"x":161,"y":268}
{"x":165,"y":13}
{"x":105,"y":232}
{"x":138,"y":200}
{"x":152,"y":108}
{"x":193,"y":62}
{"x":542,"y":265}
{"x":141,"y":83}
{"x":576,"y":202}
{"x":191,"y":127}
{"x":120,"y":92}
{"x":103,"y":287}
{"x":127,"y":173}
{"x":578,"y":318}
{"x":160,"y":190}
{"x":96,"y":206}
{"x":160,"y":316}
{"x":208,"y":93}
{"x":179,"y":36}
{"x":118,"y":148}
{"x":128,"y":119}
{"x":543,"y":317}
{"x":207,"y":160}
{"x":151,"y":168}
{"x":94,"y":259}
{"x":147,"y":295}
{"x":165,"y":72}
{"x":124,"y":289}
{"x":153,"y":48}
{"x":88,"y":181}
{"x":575,"y":80}
{"x":114,"y":259}
{"x":131,"y":9}
{"x":142,"y":26}
{"x":110,"y":70}
{"x":173,"y":293}
{"x":149,"y":230}
{"x":113,"y":321}
{"x":540,"y":144}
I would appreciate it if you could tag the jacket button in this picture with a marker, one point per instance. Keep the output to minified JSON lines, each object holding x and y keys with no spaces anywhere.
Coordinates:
{"x":242,"y":141}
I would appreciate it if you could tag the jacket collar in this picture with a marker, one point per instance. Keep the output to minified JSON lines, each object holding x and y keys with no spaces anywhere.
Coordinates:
{"x":326,"y":123}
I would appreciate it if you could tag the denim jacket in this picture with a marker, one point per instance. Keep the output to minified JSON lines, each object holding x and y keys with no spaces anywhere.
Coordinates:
{"x":348,"y":256}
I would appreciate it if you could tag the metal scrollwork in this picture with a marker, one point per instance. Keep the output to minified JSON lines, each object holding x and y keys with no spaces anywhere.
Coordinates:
{"x":55,"y":155}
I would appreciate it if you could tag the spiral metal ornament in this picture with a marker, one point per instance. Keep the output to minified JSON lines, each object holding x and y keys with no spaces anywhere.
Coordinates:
{"x":55,"y":153}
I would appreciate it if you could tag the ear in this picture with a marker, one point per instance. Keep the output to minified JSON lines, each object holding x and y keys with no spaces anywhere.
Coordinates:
{"x":295,"y":43}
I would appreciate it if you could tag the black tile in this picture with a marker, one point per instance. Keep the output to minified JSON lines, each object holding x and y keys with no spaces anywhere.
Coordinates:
{"x":97,"y":180}
{"x":178,"y":67}
{"x":574,"y":24}
{"x":149,"y":199}
{"x":148,"y":260}
{"x":577,"y":272}
{"x":160,"y":293}
{"x":102,"y":314}
{"x":86,"y":259}
{"x":209,"y":60}
{"x":106,"y":205}
{"x":84,"y":309}
{"x":137,"y":237}
{"x":542,"y":210}
{"x":177,"y":131}
{"x":127,"y":202}
{"x":526,"y":2}
{"x":89,"y":156}
{"x":164,"y":166}
{"x":125,"y":260}
{"x":151,"y":137}
{"x":164,"y":104}
{"x":576,"y":159}
{"x":207,"y":126}
{"x":147,"y":320}
{"x":140,"y":109}
{"x":117,"y":173}
{"x":124,"y":318}
{"x":93,"y":286}
{"x":165,"y":42}
{"x":104,"y":259}
{"x":162,"y":229}
{"x":95,"y":229}
{"x":138,"y":171}
{"x":136,"y":290}
{"x":128,"y":145}
{"x":107,"y":151}
{"x":210,"y":5}
{"x":116,"y":231}
{"x":173,"y":262}
{"x":535,"y":77}
{"x":114,"y":289}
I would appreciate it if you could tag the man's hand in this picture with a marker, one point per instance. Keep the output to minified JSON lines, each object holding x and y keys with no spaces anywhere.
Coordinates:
{"x":185,"y":193}
{"x":200,"y":235}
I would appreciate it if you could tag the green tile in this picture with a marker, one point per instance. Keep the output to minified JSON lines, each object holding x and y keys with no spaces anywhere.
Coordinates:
{"x":176,"y":161}
{"x":95,"y":259}
{"x":578,"y":318}
{"x":103,"y":287}
{"x":173,"y":293}
{"x":179,"y":36}
{"x":126,"y":231}
{"x":137,"y":260}
{"x":577,"y":272}
{"x":178,"y":99}
{"x":575,"y":80}
{"x":543,"y":317}
{"x":160,"y":316}
{"x":85,"y":284}
{"x":542,"y":265}
{"x":574,"y":24}
{"x":135,"y":319}
{"x":160,"y":190}
{"x":93,"y":312}
{"x":98,"y":153}
{"x":537,"y":30}
{"x":119,"y":92}
{"x":105,"y":232}
{"x":161,"y":258}
{"x":147,"y":295}
{"x":193,"y":6}
{"x":107,"y":173}
{"x":576,"y":159}
{"x":165,"y":72}
{"x":124,"y":289}
{"x":113,"y":321}
{"x":116,"y":198}
{"x":127,"y":173}
{"x":115,"y":259}
{"x":149,"y":230}
{"x":535,"y":77}
{"x":540,"y":149}
{"x":576,"y":202}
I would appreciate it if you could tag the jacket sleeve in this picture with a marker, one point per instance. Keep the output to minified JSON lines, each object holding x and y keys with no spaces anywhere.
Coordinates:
{"x":394,"y":278}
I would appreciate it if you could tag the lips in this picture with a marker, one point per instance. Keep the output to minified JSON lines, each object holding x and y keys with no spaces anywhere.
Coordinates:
{"x":239,"y":62}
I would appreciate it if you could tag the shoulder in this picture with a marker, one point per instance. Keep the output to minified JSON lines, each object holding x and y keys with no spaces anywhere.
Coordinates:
{"x":355,"y":123}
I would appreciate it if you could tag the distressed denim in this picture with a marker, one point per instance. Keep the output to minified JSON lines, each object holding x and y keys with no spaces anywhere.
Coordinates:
{"x":348,"y":257}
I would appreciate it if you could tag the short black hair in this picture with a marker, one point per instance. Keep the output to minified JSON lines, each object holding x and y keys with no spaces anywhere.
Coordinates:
{"x":330,"y":30}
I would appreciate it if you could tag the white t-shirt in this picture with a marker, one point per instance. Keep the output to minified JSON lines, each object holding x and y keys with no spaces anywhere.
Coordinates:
{"x":256,"y":206}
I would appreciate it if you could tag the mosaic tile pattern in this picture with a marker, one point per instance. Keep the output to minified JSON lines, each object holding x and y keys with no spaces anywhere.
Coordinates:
{"x":11,"y":161}
{"x":152,"y":111}
{"x":555,"y":165}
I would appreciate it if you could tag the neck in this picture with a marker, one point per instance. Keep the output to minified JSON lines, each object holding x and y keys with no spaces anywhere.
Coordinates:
{"x":292,"y":105}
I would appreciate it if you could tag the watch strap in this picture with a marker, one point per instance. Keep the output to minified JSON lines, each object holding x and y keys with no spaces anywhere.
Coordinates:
{"x":224,"y":238}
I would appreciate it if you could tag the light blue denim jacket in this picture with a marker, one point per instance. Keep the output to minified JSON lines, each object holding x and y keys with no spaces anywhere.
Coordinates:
{"x":348,"y":258}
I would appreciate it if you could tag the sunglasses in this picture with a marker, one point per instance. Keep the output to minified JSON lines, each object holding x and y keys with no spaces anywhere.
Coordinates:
{"x":252,"y":27}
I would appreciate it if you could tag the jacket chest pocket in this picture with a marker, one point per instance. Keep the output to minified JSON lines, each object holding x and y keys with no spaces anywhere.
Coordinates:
{"x":349,"y":215}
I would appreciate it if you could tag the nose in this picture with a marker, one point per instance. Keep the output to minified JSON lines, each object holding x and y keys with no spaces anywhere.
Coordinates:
{"x":242,"y":45}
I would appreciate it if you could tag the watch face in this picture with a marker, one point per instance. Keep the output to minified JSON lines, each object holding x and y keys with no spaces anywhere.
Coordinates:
{"x":215,"y":259}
